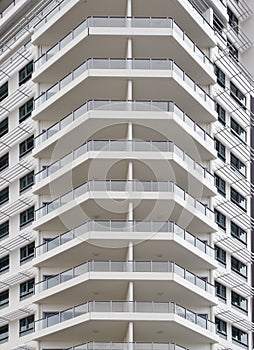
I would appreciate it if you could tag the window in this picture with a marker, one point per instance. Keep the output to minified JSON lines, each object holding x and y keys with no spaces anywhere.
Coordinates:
{"x":4,"y":127}
{"x":4,"y":299}
{"x":238,"y":233}
{"x":221,"y":327}
{"x":233,"y":52}
{"x":4,"y":161}
{"x":221,"y":255}
{"x":26,"y":181}
{"x":237,"y":130}
{"x":26,"y":325}
{"x":221,"y":291}
{"x":239,"y":302}
{"x":26,"y":73}
{"x":238,"y":199}
{"x":221,"y":114}
{"x":26,"y":146}
{"x":221,"y":185}
{"x":233,"y":20}
{"x":26,"y":110}
{"x":26,"y":217}
{"x":4,"y":264}
{"x":239,"y":336}
{"x":27,"y":253}
{"x":237,"y":164}
{"x":4,"y":334}
{"x":3,"y":91}
{"x":237,"y":95}
{"x":221,"y":78}
{"x":238,"y":267}
{"x":26,"y":289}
{"x":4,"y":229}
{"x":220,"y":219}
{"x":4,"y":195}
{"x":221,"y":150}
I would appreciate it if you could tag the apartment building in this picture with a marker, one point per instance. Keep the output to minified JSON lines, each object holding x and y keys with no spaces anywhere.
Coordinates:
{"x":125,"y":174}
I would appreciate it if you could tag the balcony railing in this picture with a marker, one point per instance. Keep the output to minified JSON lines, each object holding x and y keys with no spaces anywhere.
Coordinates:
{"x":125,"y":346}
{"x":129,"y":307}
{"x":128,"y":64}
{"x":124,"y":22}
{"x":124,"y":186}
{"x":115,"y":227}
{"x":8,"y":8}
{"x":124,"y":146}
{"x":135,"y":106}
{"x":125,"y":266}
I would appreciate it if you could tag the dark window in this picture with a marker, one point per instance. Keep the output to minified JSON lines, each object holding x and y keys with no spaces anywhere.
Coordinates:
{"x":4,"y":333}
{"x":237,"y":130}
{"x":4,"y":299}
{"x":26,"y":181}
{"x":237,"y":95}
{"x":221,"y":255}
{"x":3,"y":91}
{"x":239,"y":336}
{"x":238,"y":233}
{"x":26,"y":325}
{"x":4,"y":229}
{"x":220,"y":219}
{"x":26,"y":289}
{"x":26,"y":110}
{"x":221,"y":78}
{"x":27,"y":253}
{"x":238,"y":199}
{"x":238,"y":267}
{"x":239,"y":302}
{"x":26,"y":217}
{"x":4,"y":195}
{"x":233,"y":20}
{"x":221,"y":114}
{"x":26,"y":146}
{"x":26,"y":73}
{"x":221,"y":327}
{"x":221,"y":291}
{"x":233,"y":52}
{"x":4,"y":127}
{"x":221,"y":150}
{"x":4,"y":264}
{"x":4,"y":161}
{"x":237,"y":164}
{"x":221,"y":185}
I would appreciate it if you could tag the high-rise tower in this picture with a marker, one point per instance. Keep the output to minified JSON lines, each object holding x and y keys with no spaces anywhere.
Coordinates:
{"x":125,"y":174}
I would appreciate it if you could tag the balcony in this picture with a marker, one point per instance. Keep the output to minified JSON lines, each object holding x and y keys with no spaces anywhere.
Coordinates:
{"x":154,"y":153}
{"x":108,"y":36}
{"x":164,"y":116}
{"x":125,"y":346}
{"x":50,"y":29}
{"x":148,"y":236}
{"x":115,"y":276}
{"x":112,"y":317}
{"x":152,"y":78}
{"x":110,"y":199}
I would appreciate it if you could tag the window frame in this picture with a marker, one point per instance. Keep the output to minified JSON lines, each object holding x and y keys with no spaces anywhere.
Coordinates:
{"x":28,"y":287}
{"x":219,"y":222}
{"x":27,"y":73}
{"x":4,"y":127}
{"x":28,"y":320}
{"x":4,"y":160}
{"x":221,"y":114}
{"x":5,"y":225}
{"x":237,"y":235}
{"x":240,"y":130}
{"x":28,"y":183}
{"x":221,"y":76}
{"x":221,"y":150}
{"x":239,"y":199}
{"x":6,"y":338}
{"x":237,"y":164}
{"x":238,"y":297}
{"x":238,"y":268}
{"x":27,"y":110}
{"x":221,"y":291}
{"x":240,"y":332}
{"x":6,"y":266}
{"x":27,"y":146}
{"x":220,"y":255}
{"x":26,"y":253}
{"x":4,"y":303}
{"x":220,"y":185}
{"x":237,"y":95}
{"x":29,"y":219}
{"x":4,"y":195}
{"x":5,"y":92}
{"x":219,"y":329}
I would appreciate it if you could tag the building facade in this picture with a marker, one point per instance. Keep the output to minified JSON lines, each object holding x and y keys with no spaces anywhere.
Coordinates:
{"x":125,"y":174}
